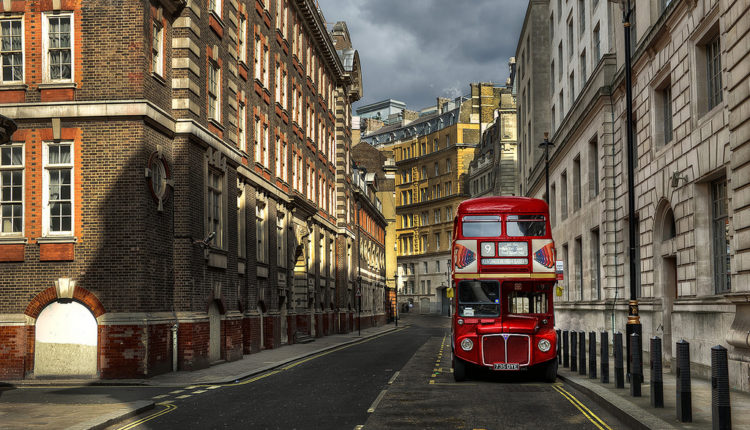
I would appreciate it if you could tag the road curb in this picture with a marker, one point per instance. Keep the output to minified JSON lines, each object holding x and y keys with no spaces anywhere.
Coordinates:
{"x":106,"y":420}
{"x":630,"y":414}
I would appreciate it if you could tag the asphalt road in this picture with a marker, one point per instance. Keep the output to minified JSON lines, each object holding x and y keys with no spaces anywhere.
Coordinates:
{"x":404,"y":380}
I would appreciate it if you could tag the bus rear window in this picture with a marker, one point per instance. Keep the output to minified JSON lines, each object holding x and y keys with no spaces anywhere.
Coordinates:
{"x":527,"y":302}
{"x":481,"y":226}
{"x":478,"y":298}
{"x":526,"y":225}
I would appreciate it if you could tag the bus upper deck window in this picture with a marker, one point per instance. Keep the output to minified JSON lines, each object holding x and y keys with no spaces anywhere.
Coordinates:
{"x":526,"y":225}
{"x":481,"y":226}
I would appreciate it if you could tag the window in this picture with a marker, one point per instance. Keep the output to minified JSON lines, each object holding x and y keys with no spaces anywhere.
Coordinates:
{"x":593,"y":168}
{"x":242,"y":38}
{"x":581,"y":16}
{"x":266,"y":144}
{"x":241,"y":222}
{"x":11,"y":189}
{"x":527,"y":302}
{"x":596,"y":262}
{"x":257,"y":138}
{"x":481,"y":226}
{"x":266,"y":62}
{"x":448,"y":165}
{"x":597,"y":44}
{"x":526,"y":225}
{"x":214,"y":91}
{"x":564,"y":196}
{"x":260,"y":231}
{"x":58,"y":47}
{"x":579,"y":267}
{"x":570,"y":37}
{"x":157,"y":48}
{"x":424,"y":267}
{"x":434,"y":145}
{"x":478,"y":298}
{"x":448,"y":214}
{"x":11,"y":49}
{"x":437,"y":263}
{"x":58,"y":190}
{"x":280,"y":239}
{"x":242,"y":127}
{"x":215,"y":206}
{"x":552,"y":204}
{"x":437,"y":169}
{"x":583,"y":67}
{"x":720,"y":236}
{"x":572,"y":88}
{"x":215,"y":7}
{"x":559,"y":61}
{"x":552,"y":76}
{"x":662,"y":115}
{"x":566,"y":271}
{"x":424,"y":172}
{"x":713,"y":72}
{"x":577,"y":183}
{"x":257,"y":60}
{"x":663,"y":4}
{"x":437,"y":246}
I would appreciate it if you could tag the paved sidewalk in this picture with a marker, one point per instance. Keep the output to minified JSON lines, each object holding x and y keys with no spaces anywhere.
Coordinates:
{"x":638,"y":413}
{"x":44,"y":413}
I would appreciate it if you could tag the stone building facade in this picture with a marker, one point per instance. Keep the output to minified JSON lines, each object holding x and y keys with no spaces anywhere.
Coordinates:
{"x":179,"y":177}
{"x":688,"y":92}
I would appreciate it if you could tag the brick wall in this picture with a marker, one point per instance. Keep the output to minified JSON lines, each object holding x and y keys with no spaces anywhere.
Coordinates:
{"x":12,"y":352}
{"x":232,"y":339}
{"x":122,"y":352}
{"x":192,"y":346}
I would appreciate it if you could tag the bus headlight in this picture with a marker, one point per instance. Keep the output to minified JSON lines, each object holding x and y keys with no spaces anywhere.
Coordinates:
{"x":512,"y":249}
{"x":467,"y":344}
{"x":544,"y":345}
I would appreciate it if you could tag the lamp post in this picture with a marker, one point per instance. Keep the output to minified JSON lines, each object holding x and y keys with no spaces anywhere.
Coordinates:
{"x":546,"y":144}
{"x":634,"y":321}
{"x":359,"y":305}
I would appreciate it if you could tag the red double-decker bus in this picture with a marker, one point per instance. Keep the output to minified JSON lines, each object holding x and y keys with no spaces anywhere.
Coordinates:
{"x":503,"y":277}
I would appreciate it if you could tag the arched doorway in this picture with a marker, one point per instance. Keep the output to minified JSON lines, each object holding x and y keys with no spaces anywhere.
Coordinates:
{"x":665,"y":232}
{"x":65,"y":341}
{"x":214,"y":332}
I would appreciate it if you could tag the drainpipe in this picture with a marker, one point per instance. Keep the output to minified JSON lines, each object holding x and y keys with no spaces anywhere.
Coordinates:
{"x":174,"y":347}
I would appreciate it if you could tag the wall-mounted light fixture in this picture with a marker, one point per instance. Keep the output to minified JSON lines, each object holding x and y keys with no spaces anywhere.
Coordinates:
{"x":676,"y":178}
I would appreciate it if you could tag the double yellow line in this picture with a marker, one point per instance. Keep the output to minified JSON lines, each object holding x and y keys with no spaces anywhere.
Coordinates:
{"x":169,"y":408}
{"x":598,"y":422}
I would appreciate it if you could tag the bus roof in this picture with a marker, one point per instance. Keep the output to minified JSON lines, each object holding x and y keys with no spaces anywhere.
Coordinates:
{"x":502,"y":204}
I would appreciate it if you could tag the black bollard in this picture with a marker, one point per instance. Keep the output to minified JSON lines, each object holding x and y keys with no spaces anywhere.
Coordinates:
{"x":604,"y":352}
{"x":721,"y":413}
{"x":636,"y":366}
{"x":566,"y":355}
{"x":619,"y":368}
{"x":559,"y":353}
{"x":592,"y":355}
{"x":573,"y":351}
{"x":582,"y":353}
{"x":684,"y":396}
{"x":657,"y":382}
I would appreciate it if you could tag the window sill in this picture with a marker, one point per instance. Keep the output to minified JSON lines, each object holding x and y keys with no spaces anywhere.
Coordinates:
{"x":56,"y":239}
{"x":10,"y":240}
{"x":56,"y":85}
{"x":12,"y":87}
{"x":216,"y":124}
{"x":217,"y":258}
{"x":158,"y":78}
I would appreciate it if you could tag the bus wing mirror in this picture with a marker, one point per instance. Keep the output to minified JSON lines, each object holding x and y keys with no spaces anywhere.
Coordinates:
{"x":449,"y":293}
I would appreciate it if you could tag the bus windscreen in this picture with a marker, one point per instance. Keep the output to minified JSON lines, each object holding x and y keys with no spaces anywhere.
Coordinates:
{"x":479,"y":298}
{"x":526,"y":225}
{"x":481,"y":226}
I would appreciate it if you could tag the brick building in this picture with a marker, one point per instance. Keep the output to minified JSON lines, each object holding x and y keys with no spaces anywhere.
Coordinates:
{"x":690,"y":74}
{"x":179,"y":175}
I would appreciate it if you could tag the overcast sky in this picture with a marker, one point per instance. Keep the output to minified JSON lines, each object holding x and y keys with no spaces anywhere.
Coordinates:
{"x":417,"y":50}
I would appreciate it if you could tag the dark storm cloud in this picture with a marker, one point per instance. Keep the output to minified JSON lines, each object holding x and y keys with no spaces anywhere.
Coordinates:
{"x":417,"y":50}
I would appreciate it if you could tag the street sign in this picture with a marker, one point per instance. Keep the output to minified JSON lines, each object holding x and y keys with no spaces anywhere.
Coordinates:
{"x":559,"y":269}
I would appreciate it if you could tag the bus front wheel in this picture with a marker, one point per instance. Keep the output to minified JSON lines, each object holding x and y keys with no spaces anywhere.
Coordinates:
{"x":550,"y":371}
{"x":459,"y":369}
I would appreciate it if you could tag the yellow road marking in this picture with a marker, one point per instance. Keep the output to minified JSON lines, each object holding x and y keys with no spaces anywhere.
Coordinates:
{"x":598,"y":422}
{"x":176,"y":391}
{"x":199,"y":391}
{"x":184,"y":396}
{"x":169,"y":408}
{"x":160,"y":396}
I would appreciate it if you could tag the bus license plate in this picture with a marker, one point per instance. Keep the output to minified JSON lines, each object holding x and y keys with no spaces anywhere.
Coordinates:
{"x":506,"y":366}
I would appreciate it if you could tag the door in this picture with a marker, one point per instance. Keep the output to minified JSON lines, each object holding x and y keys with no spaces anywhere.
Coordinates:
{"x":214,"y":342}
{"x":65,"y":341}
{"x":445,"y":308}
{"x":284,"y":326}
{"x":424,"y":305}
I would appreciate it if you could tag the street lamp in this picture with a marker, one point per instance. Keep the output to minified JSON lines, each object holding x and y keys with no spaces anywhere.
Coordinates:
{"x":395,"y":279}
{"x":546,"y":144}
{"x":634,"y":321}
{"x":359,"y":305}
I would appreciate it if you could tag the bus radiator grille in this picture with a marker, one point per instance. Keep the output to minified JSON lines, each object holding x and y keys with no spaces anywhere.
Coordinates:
{"x":518,"y":349}
{"x":493,"y":349}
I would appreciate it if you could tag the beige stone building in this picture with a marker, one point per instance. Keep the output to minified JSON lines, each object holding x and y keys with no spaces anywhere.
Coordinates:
{"x":690,"y":75}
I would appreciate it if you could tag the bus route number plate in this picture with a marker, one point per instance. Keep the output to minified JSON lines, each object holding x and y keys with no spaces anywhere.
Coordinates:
{"x":506,"y":366}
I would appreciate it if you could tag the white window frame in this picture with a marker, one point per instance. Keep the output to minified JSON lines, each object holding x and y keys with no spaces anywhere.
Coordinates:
{"x":46,"y":75}
{"x":261,"y":229}
{"x":257,"y":58}
{"x":241,"y":224}
{"x":157,"y":48}
{"x":281,"y":219}
{"x":214,"y":92}
{"x":242,"y":38}
{"x":215,"y":221}
{"x":23,"y":41}
{"x":46,"y":224}
{"x":12,"y":168}
{"x":242,"y":127}
{"x":215,"y":7}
